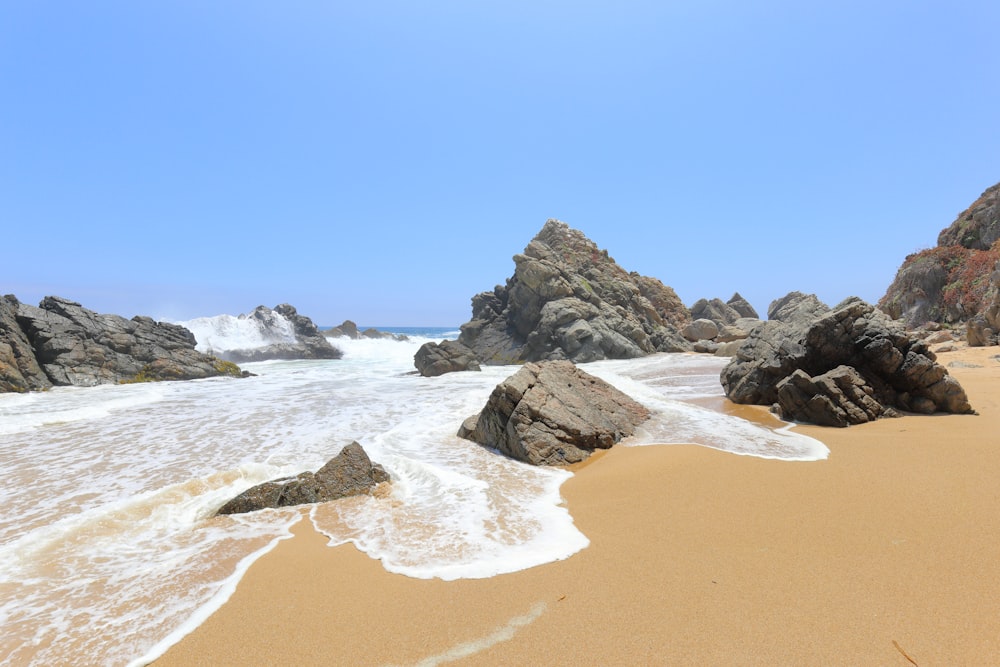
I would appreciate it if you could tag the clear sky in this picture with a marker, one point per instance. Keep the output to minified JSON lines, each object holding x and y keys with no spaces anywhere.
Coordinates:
{"x":382,"y":161}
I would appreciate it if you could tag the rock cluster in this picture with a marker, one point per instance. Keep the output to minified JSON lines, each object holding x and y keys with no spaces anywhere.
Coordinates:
{"x":349,"y":329}
{"x":719,"y":325}
{"x":309,"y":343}
{"x":62,"y":343}
{"x":849,"y":365}
{"x":349,"y":473}
{"x":448,"y":356}
{"x":956,"y":281}
{"x":569,"y":300}
{"x":553,"y":413}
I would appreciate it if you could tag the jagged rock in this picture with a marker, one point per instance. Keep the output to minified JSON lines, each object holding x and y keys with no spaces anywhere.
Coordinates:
{"x":715,"y":310}
{"x":957,"y":279}
{"x":448,"y":356}
{"x":277,"y":326}
{"x":76,"y":346}
{"x":898,"y":369}
{"x":19,"y":369}
{"x":568,"y":299}
{"x":738,"y":330}
{"x":372,"y":332}
{"x":700,"y":329}
{"x":840,"y":397}
{"x":796,"y":307}
{"x":742,"y":306}
{"x":349,"y":473}
{"x":346,"y":330}
{"x":979,"y":333}
{"x":553,"y":413}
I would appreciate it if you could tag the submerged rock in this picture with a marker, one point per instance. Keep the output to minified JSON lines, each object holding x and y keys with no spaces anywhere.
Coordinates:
{"x":349,"y":473}
{"x":847,"y":366}
{"x":553,"y":413}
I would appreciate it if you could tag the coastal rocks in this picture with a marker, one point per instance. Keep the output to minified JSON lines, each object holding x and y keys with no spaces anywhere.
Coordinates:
{"x":433,"y":359}
{"x":569,"y":300}
{"x":349,"y":329}
{"x":281,"y":333}
{"x":830,"y":369}
{"x":796,"y":308}
{"x":700,"y":329}
{"x":956,"y":280}
{"x":350,"y":473}
{"x":553,"y":413}
{"x":75,"y":346}
{"x":19,"y":369}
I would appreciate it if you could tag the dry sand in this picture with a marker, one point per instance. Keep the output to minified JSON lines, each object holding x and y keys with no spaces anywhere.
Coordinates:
{"x":697,"y":557}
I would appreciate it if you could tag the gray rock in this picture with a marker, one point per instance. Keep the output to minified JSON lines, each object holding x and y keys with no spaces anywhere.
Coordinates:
{"x":701,"y":329}
{"x":19,"y":369}
{"x":742,"y":306}
{"x":346,"y":330}
{"x":309,"y":342}
{"x":796,"y":307}
{"x":738,"y":330}
{"x":839,"y":397}
{"x":897,"y":369}
{"x":350,"y":473}
{"x":448,"y":356}
{"x":553,"y":413}
{"x":76,"y":346}
{"x":715,"y":310}
{"x":979,"y":333}
{"x":568,"y":299}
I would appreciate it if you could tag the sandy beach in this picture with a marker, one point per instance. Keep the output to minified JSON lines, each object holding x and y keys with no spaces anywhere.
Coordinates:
{"x":887,"y":553}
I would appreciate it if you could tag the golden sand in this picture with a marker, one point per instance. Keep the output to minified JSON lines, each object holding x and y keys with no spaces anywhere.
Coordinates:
{"x":887,"y":553}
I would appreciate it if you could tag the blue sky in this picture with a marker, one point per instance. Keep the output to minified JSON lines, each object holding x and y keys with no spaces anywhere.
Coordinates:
{"x":383,"y":161}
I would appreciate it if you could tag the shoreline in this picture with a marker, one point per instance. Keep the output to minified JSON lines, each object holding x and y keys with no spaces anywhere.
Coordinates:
{"x":697,"y":556}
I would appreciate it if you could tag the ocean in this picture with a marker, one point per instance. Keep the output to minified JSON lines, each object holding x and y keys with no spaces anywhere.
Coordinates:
{"x":109,"y":550}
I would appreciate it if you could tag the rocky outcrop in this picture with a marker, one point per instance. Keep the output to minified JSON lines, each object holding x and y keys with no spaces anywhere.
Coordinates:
{"x":349,"y":473}
{"x":956,"y":280}
{"x":742,"y":306}
{"x":835,"y":368}
{"x":568,"y":299}
{"x":796,"y":308}
{"x":700,"y":329}
{"x":287,"y":335}
{"x":350,"y":330}
{"x":71,"y":345}
{"x":716,"y":310}
{"x":448,"y":356}
{"x":19,"y":369}
{"x":553,"y":413}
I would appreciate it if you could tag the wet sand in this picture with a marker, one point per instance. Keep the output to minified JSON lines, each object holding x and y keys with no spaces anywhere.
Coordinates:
{"x":889,"y":547}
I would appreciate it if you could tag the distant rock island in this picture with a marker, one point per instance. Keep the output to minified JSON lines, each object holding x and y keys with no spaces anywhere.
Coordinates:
{"x":60,"y":342}
{"x":955,"y":283}
{"x":349,"y":329}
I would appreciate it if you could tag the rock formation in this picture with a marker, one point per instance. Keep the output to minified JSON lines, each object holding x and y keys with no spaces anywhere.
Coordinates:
{"x":847,"y":366}
{"x":956,"y":280}
{"x":796,"y":308}
{"x":62,"y":343}
{"x":448,"y":356}
{"x":349,"y":473}
{"x":349,"y":329}
{"x":286,"y":335}
{"x":553,"y":413}
{"x":568,"y":299}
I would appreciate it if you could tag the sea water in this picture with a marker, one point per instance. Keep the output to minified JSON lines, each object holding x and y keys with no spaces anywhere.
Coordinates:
{"x":109,"y":550}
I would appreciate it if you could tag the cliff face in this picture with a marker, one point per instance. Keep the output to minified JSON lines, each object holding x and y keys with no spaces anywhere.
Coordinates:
{"x":951,"y":282}
{"x":568,"y":299}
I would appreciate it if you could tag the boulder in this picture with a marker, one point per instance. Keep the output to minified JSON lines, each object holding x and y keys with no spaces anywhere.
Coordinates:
{"x":346,"y":330}
{"x":896,"y":369}
{"x":979,"y":333}
{"x":742,"y":306}
{"x":448,"y":356}
{"x":701,"y":329}
{"x":349,"y":473}
{"x":76,"y":346}
{"x":738,"y":330}
{"x":796,"y":307}
{"x":569,"y":300}
{"x":553,"y":413}
{"x":715,"y":310}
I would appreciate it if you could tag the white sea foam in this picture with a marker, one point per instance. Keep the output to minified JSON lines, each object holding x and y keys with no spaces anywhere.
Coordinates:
{"x":108,"y":546}
{"x":222,"y":333}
